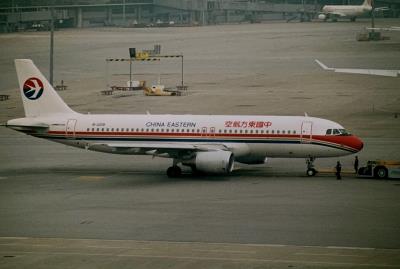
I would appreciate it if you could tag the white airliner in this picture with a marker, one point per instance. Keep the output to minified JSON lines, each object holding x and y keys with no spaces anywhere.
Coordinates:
{"x":350,"y":11}
{"x":206,"y":143}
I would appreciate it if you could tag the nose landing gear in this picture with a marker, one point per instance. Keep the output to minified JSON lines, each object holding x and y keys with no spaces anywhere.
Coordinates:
{"x":311,"y":171}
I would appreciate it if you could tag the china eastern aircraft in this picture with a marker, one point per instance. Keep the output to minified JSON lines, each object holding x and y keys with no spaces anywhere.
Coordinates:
{"x":206,"y":143}
{"x":349,"y":11}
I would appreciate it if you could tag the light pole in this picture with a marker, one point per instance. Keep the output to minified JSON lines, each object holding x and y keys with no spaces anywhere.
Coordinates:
{"x":51,"y":43}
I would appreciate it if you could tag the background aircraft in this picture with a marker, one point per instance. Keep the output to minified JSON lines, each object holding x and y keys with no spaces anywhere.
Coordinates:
{"x":334,"y":12}
{"x":376,"y":72}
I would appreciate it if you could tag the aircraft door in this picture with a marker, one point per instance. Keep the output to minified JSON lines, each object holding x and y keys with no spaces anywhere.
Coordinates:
{"x":70,"y":128}
{"x":306,"y":132}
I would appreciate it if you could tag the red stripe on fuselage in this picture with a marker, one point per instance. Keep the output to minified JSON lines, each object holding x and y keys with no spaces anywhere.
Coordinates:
{"x":349,"y":141}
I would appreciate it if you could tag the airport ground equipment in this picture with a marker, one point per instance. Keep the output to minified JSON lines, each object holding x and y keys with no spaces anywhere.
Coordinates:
{"x":380,"y":169}
{"x":149,"y":56}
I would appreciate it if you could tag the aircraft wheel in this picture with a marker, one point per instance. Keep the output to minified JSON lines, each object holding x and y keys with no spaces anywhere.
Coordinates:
{"x":311,"y":172}
{"x":174,"y":171}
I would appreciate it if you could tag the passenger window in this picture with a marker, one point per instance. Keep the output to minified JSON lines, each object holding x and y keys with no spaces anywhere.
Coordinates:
{"x":277,"y":132}
{"x":294,"y":132}
{"x":272,"y":132}
{"x":112,"y":129}
{"x":88,"y":129}
{"x":288,"y":132}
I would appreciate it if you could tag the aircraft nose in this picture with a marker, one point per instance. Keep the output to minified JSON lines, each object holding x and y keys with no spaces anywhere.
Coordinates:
{"x":356,"y":143}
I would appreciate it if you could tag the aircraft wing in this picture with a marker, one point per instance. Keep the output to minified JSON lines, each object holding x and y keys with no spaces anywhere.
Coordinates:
{"x":338,"y":14}
{"x":392,"y":28}
{"x":168,"y":150}
{"x":376,"y":72}
{"x":381,"y":8}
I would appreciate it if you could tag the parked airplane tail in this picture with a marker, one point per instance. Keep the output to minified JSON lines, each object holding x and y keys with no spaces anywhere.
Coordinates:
{"x":38,"y":96}
{"x":367,"y":3}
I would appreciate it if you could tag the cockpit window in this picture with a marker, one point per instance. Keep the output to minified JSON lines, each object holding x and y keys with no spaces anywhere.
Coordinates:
{"x":337,"y":132}
{"x":344,"y":132}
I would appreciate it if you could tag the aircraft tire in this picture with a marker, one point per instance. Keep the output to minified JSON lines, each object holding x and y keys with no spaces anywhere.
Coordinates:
{"x":174,"y":171}
{"x":311,"y":172}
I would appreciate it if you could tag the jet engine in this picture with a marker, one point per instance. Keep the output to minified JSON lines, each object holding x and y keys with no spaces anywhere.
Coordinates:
{"x":322,"y":16}
{"x":217,"y":162}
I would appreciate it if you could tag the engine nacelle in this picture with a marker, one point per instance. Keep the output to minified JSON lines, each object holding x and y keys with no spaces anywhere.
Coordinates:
{"x":322,"y":16}
{"x":217,"y":162}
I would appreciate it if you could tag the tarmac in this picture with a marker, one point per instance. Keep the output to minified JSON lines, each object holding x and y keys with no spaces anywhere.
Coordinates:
{"x":62,"y":207}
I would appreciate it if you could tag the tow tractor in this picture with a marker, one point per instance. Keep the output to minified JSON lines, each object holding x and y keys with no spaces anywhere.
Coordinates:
{"x":380,"y":169}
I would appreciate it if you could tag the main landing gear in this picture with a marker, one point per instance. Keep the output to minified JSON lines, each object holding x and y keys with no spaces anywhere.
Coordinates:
{"x":311,"y":171}
{"x":174,"y":170}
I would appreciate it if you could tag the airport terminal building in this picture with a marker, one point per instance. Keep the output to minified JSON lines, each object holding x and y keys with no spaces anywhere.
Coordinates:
{"x":22,"y":15}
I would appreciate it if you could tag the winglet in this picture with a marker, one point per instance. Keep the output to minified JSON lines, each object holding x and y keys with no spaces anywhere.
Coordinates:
{"x":324,"y":66}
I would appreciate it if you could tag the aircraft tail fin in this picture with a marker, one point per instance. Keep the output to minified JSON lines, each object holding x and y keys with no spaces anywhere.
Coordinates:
{"x":38,"y":96}
{"x":367,"y":3}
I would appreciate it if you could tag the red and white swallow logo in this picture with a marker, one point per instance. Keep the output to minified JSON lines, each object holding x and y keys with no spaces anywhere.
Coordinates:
{"x":33,"y":88}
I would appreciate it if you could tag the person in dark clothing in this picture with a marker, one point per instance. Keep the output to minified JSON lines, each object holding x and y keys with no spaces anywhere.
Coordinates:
{"x":356,"y":164}
{"x":338,"y":168}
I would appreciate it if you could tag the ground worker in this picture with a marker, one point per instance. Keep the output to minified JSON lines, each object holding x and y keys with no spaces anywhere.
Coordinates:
{"x":338,"y":168}
{"x":356,"y":164}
